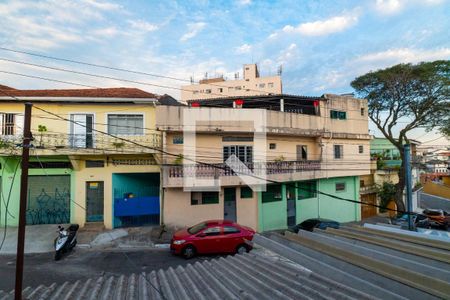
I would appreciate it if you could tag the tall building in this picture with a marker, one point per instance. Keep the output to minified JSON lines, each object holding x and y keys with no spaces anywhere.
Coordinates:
{"x":316,"y":149}
{"x":251,"y":84}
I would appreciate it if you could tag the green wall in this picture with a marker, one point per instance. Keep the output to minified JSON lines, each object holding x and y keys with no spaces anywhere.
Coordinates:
{"x":9,"y":165}
{"x":273,"y":215}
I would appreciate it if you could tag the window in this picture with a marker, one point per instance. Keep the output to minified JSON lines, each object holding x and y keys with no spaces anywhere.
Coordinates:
{"x":306,"y":190}
{"x":338,"y":151}
{"x":270,"y":84}
{"x":198,"y":198}
{"x":212,"y":231}
{"x":177,"y":140}
{"x":238,"y":88}
{"x":340,"y":186}
{"x":95,"y":163}
{"x":302,"y":152}
{"x":361,"y":149}
{"x":272,"y":146}
{"x":362,"y":111}
{"x":9,"y":124}
{"x":230,"y":89}
{"x":246,"y":192}
{"x":220,"y":90}
{"x":361,"y":183}
{"x":208,"y":91}
{"x":262,"y":85}
{"x":244,"y":153}
{"x":126,"y":124}
{"x":230,"y":230}
{"x":272,"y":194}
{"x":195,"y":92}
{"x":341,"y":115}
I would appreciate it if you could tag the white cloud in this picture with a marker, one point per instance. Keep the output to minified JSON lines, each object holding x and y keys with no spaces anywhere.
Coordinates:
{"x":324,"y":27}
{"x":194,"y":29}
{"x":245,"y":2}
{"x":143,"y":25}
{"x":389,"y":7}
{"x":288,"y":54}
{"x":392,"y":7}
{"x":246,"y":48}
{"x":103,"y":5}
{"x":404,"y":55}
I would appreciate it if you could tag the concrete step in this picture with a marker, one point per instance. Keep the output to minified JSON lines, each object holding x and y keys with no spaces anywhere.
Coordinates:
{"x":93,"y":226}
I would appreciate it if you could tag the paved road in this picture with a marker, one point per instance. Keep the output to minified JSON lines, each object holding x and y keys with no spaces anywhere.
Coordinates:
{"x":430,"y":201}
{"x":81,"y":264}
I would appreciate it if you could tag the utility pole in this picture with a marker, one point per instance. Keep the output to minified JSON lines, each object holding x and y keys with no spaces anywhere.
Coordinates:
{"x":407,"y":164}
{"x":23,"y":201}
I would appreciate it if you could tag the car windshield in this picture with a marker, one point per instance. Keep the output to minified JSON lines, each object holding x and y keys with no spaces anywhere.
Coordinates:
{"x":197,"y":228}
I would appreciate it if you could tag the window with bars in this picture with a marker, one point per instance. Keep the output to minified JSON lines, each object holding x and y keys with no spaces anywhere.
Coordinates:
{"x":338,"y":151}
{"x":11,"y":124}
{"x":198,"y":198}
{"x":246,"y":192}
{"x":340,"y":186}
{"x":126,"y":124}
{"x":272,"y":194}
{"x":244,"y":153}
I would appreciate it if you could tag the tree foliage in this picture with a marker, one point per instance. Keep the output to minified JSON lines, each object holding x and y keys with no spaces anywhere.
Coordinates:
{"x":415,"y":92}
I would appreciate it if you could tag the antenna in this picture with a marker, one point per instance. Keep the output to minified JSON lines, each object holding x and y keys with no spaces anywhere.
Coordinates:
{"x":280,"y":70}
{"x":206,"y":75}
{"x":192,"y":79}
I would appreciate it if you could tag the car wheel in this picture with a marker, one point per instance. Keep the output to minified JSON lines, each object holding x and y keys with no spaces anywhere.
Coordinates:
{"x":188,"y":252}
{"x":241,"y":249}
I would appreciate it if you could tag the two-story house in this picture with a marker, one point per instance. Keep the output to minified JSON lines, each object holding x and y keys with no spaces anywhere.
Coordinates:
{"x":79,"y":171}
{"x":314,"y":150}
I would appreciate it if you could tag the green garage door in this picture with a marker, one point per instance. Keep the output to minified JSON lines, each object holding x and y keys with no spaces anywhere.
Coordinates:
{"x":48,"y":199}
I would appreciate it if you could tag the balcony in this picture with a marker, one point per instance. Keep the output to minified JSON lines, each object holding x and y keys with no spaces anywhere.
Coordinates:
{"x":60,"y":143}
{"x":282,"y":171}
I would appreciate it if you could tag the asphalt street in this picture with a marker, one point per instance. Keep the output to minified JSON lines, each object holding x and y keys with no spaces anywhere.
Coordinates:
{"x":82,"y":264}
{"x":430,"y":201}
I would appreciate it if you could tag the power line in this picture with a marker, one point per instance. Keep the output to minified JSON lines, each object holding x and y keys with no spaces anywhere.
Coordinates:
{"x":47,"y":79}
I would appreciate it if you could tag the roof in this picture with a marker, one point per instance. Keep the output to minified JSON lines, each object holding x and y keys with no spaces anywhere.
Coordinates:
{"x":383,"y":264}
{"x":121,"y":92}
{"x":248,"y":276}
{"x":169,"y":100}
{"x":256,"y":97}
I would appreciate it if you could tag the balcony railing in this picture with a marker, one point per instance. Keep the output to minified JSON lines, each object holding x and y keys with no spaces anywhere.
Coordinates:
{"x":80,"y":142}
{"x":218,"y":170}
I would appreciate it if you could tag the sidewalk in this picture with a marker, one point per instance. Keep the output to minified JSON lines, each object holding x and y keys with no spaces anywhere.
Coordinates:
{"x":40,"y":238}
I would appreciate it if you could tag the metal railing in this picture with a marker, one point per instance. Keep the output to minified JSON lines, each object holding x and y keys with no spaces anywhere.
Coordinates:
{"x":84,"y":141}
{"x":218,"y":170}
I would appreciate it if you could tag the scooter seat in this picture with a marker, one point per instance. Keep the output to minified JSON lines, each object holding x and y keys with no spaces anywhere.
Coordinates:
{"x":73,"y":227}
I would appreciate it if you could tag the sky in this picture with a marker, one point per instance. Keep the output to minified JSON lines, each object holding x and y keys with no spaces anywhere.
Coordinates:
{"x":321,"y":45}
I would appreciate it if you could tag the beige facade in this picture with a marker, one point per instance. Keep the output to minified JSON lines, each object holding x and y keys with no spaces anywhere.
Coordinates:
{"x":288,"y":134}
{"x":251,"y":84}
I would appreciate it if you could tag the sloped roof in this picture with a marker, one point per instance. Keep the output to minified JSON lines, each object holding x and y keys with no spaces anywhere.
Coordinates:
{"x":120,"y":92}
{"x":248,"y":276}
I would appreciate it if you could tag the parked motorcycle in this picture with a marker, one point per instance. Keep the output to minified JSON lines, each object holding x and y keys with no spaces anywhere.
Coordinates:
{"x":66,"y":240}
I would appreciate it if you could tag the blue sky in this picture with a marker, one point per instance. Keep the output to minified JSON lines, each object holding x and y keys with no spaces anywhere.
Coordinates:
{"x":322,"y":45}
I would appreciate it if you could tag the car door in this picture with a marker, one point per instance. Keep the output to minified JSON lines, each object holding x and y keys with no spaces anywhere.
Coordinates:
{"x":232,"y":237}
{"x":209,"y":240}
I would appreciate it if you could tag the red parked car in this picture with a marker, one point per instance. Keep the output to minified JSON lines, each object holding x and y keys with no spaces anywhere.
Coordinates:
{"x":214,"y":236}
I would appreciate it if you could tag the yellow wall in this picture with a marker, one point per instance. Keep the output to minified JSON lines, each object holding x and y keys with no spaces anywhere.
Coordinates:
{"x":83,"y":175}
{"x":436,"y":189}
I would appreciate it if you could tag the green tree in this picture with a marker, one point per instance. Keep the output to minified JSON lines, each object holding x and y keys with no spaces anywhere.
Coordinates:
{"x":417,"y":92}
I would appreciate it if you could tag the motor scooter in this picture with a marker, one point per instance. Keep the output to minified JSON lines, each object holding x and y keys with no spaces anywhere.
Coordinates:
{"x":66,"y":240}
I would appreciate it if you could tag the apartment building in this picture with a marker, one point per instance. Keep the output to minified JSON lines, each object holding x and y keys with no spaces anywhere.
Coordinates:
{"x":316,"y":148}
{"x":251,"y":84}
{"x":79,"y":171}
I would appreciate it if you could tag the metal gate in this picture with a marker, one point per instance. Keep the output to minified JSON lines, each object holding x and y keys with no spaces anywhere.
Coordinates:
{"x":48,"y":199}
{"x":94,"y":201}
